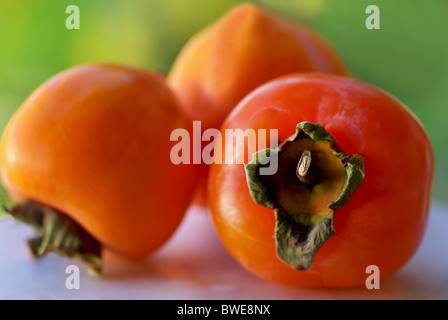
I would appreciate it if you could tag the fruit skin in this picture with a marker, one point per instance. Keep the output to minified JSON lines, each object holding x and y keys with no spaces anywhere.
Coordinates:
{"x":384,"y":220}
{"x":94,"y":143}
{"x":244,"y":49}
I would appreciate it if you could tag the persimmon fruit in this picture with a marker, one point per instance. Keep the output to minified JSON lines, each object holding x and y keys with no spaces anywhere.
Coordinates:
{"x":245,"y":48}
{"x":87,"y":158}
{"x":352,"y":187}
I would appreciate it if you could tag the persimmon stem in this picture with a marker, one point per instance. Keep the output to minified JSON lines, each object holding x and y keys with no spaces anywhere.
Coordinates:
{"x":303,"y":167}
{"x":304,"y":209}
{"x":58,"y":233}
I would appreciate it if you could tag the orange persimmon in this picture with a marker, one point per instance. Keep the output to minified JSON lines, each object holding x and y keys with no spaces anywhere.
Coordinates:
{"x":89,"y":151}
{"x":244,"y":49}
{"x":351,"y":186}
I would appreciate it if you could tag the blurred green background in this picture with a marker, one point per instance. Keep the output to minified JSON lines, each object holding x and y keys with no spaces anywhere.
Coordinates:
{"x":408,"y":56}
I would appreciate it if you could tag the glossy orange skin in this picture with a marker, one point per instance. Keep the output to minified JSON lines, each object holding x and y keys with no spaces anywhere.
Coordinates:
{"x":382,"y":223}
{"x":94,"y":143}
{"x":244,"y":49}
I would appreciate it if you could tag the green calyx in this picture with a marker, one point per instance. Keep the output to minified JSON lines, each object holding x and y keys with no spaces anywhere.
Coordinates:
{"x":59,"y":234}
{"x":313,"y":179}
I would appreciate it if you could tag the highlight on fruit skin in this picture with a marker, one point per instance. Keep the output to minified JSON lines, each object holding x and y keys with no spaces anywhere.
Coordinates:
{"x":86,"y":160}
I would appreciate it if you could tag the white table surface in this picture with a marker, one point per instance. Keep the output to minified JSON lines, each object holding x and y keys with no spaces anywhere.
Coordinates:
{"x":194,"y":265}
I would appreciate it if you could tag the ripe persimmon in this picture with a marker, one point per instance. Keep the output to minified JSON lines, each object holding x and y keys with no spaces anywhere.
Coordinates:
{"x":352,"y":186}
{"x":245,"y":48}
{"x":87,"y":157}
